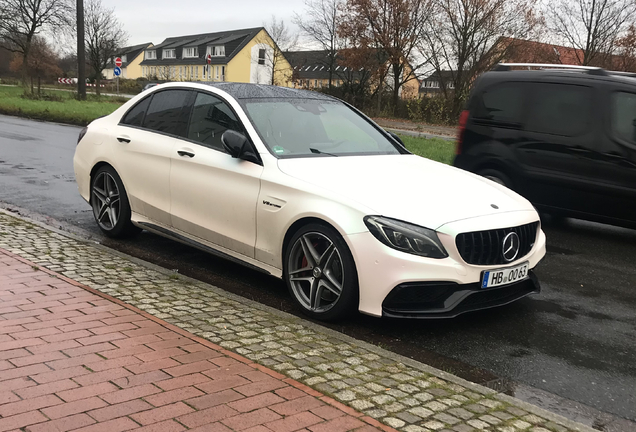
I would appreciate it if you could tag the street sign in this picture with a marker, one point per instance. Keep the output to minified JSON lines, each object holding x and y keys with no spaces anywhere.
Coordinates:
{"x":118,"y":62}
{"x":117,"y":71}
{"x":208,"y":59}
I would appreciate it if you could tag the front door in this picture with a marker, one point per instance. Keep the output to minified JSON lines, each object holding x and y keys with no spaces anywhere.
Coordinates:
{"x":214,"y":195}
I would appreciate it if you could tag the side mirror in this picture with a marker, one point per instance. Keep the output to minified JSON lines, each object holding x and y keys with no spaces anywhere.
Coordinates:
{"x":397,"y":138}
{"x":233,"y":143}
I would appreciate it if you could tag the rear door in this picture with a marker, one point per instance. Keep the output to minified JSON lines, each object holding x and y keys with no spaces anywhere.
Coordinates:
{"x":146,"y":137}
{"x":616,"y":159}
{"x":558,"y":145}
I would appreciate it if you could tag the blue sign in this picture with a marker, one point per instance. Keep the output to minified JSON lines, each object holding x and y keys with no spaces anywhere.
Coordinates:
{"x":117,"y":71}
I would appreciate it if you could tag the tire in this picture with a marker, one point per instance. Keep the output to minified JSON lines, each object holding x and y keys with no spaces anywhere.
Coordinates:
{"x":329,"y":273}
{"x":111,"y":208}
{"x":497,"y":177}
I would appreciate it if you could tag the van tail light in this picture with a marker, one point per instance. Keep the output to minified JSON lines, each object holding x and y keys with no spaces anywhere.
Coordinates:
{"x":463,"y":119}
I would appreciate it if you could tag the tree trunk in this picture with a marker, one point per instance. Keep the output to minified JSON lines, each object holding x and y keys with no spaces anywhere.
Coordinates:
{"x":39,"y":85}
{"x":97,"y":81}
{"x":25,"y":72}
{"x":396,"y":87}
{"x":31,"y":85}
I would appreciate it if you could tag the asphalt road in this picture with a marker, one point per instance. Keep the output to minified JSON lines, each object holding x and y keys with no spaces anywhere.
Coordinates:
{"x":571,"y":349}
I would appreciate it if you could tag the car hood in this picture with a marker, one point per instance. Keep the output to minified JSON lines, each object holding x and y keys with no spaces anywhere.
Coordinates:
{"x":406,"y":187}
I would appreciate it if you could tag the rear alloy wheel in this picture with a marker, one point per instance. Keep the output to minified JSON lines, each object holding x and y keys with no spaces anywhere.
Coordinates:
{"x":320,"y":273}
{"x":110,"y":204}
{"x":497,"y":177}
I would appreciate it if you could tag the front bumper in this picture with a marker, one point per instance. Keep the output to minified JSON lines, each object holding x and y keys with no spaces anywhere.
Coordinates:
{"x":381,"y":269}
{"x":448,"y":300}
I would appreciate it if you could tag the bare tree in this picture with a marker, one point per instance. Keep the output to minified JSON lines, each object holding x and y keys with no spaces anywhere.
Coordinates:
{"x":284,"y":40}
{"x":22,"y":20}
{"x":42,"y":62}
{"x":591,"y":26}
{"x":466,"y":37}
{"x":625,"y":59}
{"x":319,"y":22}
{"x":393,"y":28}
{"x":104,"y":36}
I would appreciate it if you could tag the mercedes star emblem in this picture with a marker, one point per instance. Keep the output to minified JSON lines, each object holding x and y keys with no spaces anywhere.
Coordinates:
{"x":511,"y":245}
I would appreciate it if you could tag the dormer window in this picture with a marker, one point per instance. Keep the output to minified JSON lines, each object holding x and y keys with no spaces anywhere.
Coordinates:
{"x":216,"y":51}
{"x":192,"y":52}
{"x":169,"y":54}
{"x":151,"y":55}
{"x":124,"y":59}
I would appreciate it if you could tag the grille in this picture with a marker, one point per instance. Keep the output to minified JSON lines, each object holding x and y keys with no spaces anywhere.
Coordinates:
{"x":485,"y":247}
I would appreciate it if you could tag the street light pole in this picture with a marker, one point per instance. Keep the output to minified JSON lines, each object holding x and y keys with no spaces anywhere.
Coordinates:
{"x":81,"y":52}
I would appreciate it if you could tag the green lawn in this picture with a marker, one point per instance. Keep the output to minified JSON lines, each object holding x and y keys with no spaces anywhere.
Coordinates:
{"x":432,"y":148}
{"x":66,"y":110}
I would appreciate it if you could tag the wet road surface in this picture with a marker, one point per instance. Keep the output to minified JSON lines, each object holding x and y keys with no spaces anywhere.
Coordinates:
{"x":571,"y":349}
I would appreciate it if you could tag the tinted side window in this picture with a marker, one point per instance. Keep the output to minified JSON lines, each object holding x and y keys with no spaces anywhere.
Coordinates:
{"x":210,"y":118}
{"x":135,"y":116}
{"x":501,"y":103}
{"x":560,"y":109}
{"x":624,"y":116}
{"x":168,"y":112}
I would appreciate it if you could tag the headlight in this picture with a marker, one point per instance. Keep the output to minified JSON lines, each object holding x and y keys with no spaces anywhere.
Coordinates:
{"x":406,"y":237}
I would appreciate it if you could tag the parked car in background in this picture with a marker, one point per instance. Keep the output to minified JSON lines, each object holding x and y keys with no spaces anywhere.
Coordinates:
{"x":563,"y":137}
{"x":149,"y":86}
{"x":301,"y":186}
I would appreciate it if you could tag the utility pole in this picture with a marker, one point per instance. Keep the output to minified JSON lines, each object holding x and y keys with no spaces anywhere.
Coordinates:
{"x":81,"y":52}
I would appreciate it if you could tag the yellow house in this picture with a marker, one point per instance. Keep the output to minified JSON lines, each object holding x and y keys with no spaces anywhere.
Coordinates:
{"x":131,"y":58}
{"x":244,"y":55}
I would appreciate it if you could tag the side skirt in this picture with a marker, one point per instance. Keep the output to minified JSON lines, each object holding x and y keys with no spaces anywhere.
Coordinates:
{"x":205,"y":248}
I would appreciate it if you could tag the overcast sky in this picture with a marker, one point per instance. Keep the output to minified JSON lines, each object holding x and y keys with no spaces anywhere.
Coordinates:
{"x":154,"y":21}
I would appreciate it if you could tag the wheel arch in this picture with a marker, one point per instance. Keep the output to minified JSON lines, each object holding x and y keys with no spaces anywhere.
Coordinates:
{"x":96,"y":167}
{"x":298,"y":224}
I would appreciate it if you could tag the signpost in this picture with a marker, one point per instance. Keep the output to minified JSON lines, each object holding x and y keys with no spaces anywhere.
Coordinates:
{"x":208,"y":60}
{"x":117,"y":72}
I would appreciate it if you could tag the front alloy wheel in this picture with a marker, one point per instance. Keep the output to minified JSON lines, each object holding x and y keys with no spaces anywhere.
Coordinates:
{"x":320,"y":273}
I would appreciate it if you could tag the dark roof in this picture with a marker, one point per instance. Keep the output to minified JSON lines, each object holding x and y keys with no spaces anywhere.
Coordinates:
{"x":131,"y":52}
{"x":315,"y":65}
{"x":234,"y":41}
{"x":446,"y":76}
{"x":262,"y":91}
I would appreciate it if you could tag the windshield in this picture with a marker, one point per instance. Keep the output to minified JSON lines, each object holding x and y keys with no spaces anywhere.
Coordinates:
{"x":306,"y":127}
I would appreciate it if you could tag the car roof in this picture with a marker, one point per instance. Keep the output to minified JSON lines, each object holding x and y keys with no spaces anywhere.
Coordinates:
{"x":262,"y":91}
{"x":557,"y":74}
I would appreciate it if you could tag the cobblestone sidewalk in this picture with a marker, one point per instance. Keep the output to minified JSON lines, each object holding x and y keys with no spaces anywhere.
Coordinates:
{"x":398,"y":392}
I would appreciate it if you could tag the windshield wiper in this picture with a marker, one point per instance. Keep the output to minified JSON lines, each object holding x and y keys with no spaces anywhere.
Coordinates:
{"x":316,"y":151}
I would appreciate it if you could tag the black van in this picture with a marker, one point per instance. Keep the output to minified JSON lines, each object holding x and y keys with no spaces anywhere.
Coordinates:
{"x":563,"y":138}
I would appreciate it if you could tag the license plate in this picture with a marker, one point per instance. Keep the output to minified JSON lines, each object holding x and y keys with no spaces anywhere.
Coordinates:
{"x":493,"y":278}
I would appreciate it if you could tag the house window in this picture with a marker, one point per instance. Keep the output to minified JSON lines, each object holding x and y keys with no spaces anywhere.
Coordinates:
{"x":196,"y":72}
{"x":222,"y":73}
{"x":192,"y":52}
{"x":216,"y":51}
{"x":180,"y":73}
{"x":261,"y":56}
{"x":124,"y":59}
{"x":315,"y":83}
{"x":169,"y":54}
{"x":151,"y":55}
{"x":143,"y":71}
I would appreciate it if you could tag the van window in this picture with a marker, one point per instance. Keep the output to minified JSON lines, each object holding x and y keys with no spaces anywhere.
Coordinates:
{"x":560,"y":109}
{"x":501,"y":103}
{"x":624,"y":116}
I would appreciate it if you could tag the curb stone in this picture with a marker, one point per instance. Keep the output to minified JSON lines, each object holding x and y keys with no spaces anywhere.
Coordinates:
{"x":395,"y":366}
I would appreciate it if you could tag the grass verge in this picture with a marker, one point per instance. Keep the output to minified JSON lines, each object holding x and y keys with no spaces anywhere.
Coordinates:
{"x":431,"y":148}
{"x":64,"y":110}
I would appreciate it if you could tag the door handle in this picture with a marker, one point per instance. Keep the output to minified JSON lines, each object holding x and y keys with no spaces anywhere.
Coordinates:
{"x":185,"y":153}
{"x":123,"y":139}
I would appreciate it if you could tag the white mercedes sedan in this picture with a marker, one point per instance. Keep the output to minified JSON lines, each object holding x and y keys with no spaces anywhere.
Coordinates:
{"x":304,"y":187}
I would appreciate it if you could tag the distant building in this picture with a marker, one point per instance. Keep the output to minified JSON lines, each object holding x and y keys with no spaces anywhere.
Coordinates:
{"x":435,"y":82}
{"x":131,"y":58}
{"x":243,"y":55}
{"x":311,"y":70}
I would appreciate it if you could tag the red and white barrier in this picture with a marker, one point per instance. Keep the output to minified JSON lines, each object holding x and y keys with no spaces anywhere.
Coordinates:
{"x":94,"y":85}
{"x":67,"y":80}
